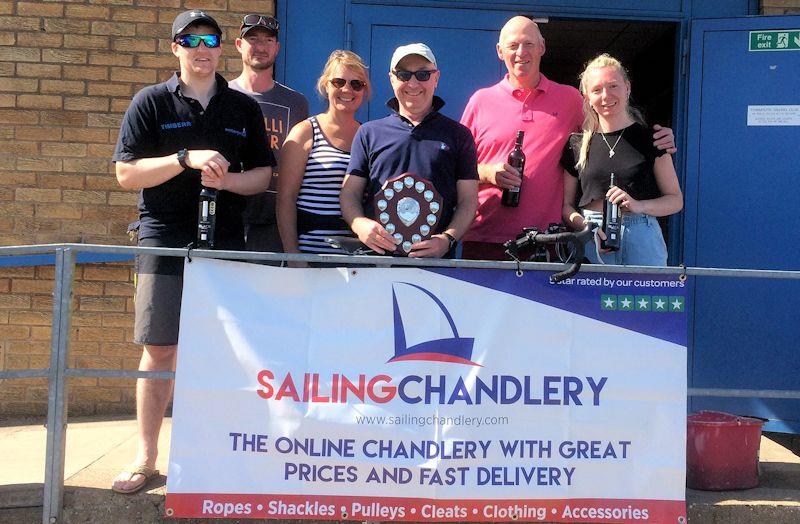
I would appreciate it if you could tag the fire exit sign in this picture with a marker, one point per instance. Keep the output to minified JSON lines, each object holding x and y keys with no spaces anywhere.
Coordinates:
{"x":788,"y":40}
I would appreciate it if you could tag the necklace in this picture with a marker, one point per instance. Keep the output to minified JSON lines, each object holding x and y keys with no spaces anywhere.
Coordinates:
{"x":609,"y":146}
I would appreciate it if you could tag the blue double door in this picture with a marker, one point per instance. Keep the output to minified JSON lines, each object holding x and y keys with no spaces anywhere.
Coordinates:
{"x":463,"y":41}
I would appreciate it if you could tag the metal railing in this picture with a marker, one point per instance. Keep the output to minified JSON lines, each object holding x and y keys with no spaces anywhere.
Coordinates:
{"x":65,"y":261}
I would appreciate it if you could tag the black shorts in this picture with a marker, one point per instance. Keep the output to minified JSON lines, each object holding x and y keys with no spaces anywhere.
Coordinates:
{"x":157,"y":302}
{"x":159,"y":287}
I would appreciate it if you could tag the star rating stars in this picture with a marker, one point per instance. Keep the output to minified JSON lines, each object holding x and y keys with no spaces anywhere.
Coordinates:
{"x":660,"y":304}
{"x":643,"y":303}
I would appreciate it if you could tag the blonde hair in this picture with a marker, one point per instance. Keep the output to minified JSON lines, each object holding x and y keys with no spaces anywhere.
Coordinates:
{"x":591,"y":122}
{"x":346,"y":59}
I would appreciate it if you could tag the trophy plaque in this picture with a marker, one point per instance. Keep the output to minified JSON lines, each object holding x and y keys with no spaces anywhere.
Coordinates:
{"x":409,"y":208}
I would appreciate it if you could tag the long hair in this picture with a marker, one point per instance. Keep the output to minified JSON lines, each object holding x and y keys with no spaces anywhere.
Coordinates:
{"x":591,"y":122}
{"x":347,"y":59}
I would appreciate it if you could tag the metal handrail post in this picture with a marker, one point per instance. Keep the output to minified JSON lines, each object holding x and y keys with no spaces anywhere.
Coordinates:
{"x":57,"y":401}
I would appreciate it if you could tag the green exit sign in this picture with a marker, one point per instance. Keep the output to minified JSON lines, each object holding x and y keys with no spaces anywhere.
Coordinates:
{"x":788,"y":40}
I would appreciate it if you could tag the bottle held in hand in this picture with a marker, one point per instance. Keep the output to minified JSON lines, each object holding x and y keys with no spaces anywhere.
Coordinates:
{"x":207,"y":218}
{"x":612,"y":223}
{"x":516,"y":159}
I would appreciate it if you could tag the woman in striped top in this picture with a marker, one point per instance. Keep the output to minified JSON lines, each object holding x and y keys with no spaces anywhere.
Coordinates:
{"x":314,"y":160}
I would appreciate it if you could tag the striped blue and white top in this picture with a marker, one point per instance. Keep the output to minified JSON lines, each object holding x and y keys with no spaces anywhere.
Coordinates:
{"x":318,"y":211}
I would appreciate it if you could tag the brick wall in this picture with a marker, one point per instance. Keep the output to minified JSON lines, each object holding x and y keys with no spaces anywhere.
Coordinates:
{"x":780,"y":7}
{"x":100,"y":337}
{"x":67,"y":73}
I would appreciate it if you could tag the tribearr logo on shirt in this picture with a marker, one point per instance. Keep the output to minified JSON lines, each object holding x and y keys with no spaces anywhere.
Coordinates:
{"x":175,"y":125}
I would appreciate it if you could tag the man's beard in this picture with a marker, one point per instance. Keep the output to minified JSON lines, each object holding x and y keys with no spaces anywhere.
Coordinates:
{"x":262,"y":66}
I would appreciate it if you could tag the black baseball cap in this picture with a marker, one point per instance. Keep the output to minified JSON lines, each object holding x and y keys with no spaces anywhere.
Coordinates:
{"x":263,"y":21}
{"x":187,"y":18}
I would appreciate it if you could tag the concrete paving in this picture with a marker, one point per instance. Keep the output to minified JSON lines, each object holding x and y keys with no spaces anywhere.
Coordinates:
{"x":98,"y":448}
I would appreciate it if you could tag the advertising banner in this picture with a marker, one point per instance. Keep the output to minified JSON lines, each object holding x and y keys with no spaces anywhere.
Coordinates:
{"x":439,"y":395}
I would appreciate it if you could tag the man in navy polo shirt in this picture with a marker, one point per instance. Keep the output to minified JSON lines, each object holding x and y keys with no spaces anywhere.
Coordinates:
{"x":416,"y":138}
{"x":190,"y":130}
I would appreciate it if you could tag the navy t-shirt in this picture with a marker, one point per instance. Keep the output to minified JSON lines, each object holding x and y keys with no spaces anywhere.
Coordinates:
{"x":438,"y":149}
{"x":159,"y":122}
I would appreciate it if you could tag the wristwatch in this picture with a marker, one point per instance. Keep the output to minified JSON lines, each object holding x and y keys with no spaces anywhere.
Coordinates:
{"x":182,"y":154}
{"x":451,"y":239}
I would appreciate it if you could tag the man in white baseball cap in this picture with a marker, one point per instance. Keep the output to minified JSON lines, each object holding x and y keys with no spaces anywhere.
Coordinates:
{"x":415,"y":138}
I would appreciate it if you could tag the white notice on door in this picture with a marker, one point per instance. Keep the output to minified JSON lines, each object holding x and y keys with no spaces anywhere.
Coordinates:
{"x":784,"y":115}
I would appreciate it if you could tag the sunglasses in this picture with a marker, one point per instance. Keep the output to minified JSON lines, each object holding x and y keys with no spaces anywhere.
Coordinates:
{"x":355,"y":85}
{"x":423,"y":75}
{"x":194,"y":40}
{"x":260,"y":20}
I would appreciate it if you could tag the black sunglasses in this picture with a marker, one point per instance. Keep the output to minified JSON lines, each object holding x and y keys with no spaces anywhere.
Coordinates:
{"x":260,"y":20}
{"x":355,"y":84}
{"x":194,"y":40}
{"x":423,"y":75}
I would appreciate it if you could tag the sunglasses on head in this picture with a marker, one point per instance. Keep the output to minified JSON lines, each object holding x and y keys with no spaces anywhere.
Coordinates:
{"x":260,"y":20}
{"x":355,"y":85}
{"x":194,"y":40}
{"x":423,"y":75}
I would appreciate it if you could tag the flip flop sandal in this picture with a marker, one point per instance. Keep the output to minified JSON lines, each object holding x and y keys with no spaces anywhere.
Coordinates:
{"x":144,"y":471}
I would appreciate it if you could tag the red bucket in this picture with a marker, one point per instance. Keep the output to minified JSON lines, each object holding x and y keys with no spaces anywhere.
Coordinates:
{"x":722,"y":451}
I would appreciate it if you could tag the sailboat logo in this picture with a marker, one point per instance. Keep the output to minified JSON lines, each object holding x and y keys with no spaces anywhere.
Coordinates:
{"x":449,"y":349}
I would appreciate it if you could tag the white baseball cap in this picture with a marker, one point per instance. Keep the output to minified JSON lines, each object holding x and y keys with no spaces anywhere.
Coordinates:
{"x":412,"y":49}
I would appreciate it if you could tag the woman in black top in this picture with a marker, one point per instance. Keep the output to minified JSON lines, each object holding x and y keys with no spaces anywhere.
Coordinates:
{"x":615,"y":140}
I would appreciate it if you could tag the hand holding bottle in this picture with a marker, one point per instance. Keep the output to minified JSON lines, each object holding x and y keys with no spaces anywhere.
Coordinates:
{"x":619,"y":196}
{"x":502,"y":175}
{"x":612,"y":220}
{"x":516,"y":160}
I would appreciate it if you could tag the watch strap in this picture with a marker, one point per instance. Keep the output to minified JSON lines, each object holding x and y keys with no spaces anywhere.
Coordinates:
{"x":451,"y":239}
{"x":182,"y":158}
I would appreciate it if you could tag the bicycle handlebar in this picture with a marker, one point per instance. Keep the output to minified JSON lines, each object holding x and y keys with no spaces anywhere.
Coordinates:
{"x":353,"y":246}
{"x":576,"y":239}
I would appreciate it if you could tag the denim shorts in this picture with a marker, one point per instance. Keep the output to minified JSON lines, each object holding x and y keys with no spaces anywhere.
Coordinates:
{"x":642,"y":242}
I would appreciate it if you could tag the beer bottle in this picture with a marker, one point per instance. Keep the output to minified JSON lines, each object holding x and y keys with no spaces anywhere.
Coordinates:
{"x":612,"y":223}
{"x":207,"y":218}
{"x":516,"y":159}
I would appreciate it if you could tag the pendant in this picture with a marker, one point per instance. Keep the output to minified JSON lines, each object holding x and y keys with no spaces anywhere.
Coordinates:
{"x":610,"y":153}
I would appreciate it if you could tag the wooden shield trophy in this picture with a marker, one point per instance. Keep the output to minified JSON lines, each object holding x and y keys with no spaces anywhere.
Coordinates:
{"x":410,"y":209}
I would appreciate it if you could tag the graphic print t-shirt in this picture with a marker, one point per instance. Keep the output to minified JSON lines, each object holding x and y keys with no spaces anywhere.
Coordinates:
{"x":282,"y":109}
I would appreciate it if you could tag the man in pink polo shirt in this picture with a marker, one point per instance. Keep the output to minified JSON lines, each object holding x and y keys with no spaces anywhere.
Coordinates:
{"x":547,"y":112}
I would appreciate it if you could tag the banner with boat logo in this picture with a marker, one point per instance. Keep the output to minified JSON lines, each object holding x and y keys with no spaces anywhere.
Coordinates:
{"x":441,"y":395}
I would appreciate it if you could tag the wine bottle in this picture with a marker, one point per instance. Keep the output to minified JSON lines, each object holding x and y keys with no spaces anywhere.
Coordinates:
{"x":207,"y":218}
{"x":516,"y":159}
{"x":612,"y":223}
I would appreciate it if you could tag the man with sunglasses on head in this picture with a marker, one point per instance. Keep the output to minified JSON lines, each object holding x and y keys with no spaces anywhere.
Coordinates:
{"x":190,"y":130}
{"x":547,"y":112}
{"x":282,"y":109}
{"x":415,"y":138}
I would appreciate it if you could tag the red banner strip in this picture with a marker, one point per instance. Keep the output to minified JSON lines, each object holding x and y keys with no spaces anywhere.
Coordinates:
{"x":308,"y":507}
